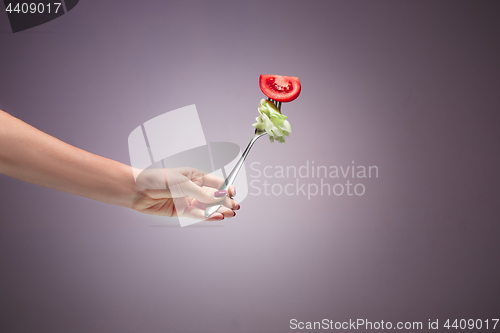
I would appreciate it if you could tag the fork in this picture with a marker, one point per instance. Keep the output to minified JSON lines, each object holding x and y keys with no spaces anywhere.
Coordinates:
{"x":232,"y":176}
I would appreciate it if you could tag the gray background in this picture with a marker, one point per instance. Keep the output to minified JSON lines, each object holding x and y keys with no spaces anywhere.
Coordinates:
{"x":409,"y":86}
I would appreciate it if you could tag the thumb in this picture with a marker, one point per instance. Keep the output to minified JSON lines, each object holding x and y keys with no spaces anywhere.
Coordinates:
{"x":205,"y":194}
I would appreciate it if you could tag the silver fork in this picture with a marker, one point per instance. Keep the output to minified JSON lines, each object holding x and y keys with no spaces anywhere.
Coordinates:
{"x":232,"y":176}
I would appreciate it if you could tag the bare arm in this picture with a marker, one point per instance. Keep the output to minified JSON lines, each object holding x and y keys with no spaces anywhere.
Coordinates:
{"x":31,"y":155}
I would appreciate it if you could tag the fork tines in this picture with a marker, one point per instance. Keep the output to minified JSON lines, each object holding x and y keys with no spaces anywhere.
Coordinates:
{"x":278,"y":104}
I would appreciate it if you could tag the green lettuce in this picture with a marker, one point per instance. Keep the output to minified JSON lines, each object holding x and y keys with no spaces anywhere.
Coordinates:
{"x":272,"y":121}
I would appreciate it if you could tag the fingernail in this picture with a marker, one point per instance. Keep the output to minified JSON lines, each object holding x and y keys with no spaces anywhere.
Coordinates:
{"x":234,"y":214}
{"x":219,"y":194}
{"x":239,"y":207}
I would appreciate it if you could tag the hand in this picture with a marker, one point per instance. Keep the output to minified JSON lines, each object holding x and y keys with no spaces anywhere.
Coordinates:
{"x":36,"y":157}
{"x":183,"y":192}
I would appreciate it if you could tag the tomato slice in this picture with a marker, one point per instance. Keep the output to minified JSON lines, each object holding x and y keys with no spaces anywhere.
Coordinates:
{"x":280,"y":88}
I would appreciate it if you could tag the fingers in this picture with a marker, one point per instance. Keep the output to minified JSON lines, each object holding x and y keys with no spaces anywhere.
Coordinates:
{"x":232,"y":191}
{"x":216,"y":182}
{"x":190,"y":172}
{"x":228,"y":213}
{"x":203,"y":190}
{"x":196,"y":209}
{"x":199,"y":214}
{"x":228,"y":203}
{"x":204,"y":194}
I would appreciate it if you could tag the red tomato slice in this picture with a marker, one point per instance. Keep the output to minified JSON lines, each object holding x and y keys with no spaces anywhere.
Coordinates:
{"x":280,"y":88}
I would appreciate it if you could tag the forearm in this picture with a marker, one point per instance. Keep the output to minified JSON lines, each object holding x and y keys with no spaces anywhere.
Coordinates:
{"x":36,"y":157}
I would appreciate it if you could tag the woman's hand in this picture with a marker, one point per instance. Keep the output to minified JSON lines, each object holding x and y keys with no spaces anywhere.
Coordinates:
{"x":31,"y":155}
{"x":183,"y":192}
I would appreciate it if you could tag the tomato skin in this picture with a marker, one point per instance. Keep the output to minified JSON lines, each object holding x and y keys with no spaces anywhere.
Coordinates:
{"x":280,"y":88}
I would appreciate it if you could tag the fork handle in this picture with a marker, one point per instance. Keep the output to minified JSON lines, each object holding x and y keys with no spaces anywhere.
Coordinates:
{"x":232,"y":176}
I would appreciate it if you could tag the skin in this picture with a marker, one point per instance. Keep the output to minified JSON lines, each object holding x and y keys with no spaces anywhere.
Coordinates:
{"x":31,"y":155}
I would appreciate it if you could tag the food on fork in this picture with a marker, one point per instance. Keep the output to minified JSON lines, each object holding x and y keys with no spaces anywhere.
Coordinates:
{"x":280,"y":88}
{"x":272,"y":121}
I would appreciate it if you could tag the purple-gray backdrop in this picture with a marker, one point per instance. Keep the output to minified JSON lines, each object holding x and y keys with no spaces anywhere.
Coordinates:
{"x":411,"y":87}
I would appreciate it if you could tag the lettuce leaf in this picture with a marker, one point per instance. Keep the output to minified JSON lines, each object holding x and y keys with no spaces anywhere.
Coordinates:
{"x":272,"y":121}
